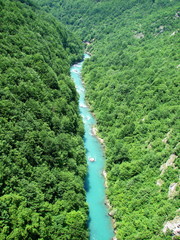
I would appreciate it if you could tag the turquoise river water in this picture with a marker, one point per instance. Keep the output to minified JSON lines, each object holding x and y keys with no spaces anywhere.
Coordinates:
{"x":100,"y":223}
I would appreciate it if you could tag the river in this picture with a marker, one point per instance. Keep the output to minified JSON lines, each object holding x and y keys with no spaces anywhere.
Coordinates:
{"x":100,"y":223}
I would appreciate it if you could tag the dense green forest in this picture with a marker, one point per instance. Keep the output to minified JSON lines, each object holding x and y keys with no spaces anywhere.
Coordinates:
{"x":132,"y":82}
{"x":132,"y":86}
{"x":42,"y":166}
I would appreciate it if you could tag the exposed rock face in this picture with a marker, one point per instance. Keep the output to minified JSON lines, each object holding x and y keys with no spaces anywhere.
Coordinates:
{"x":114,"y":238}
{"x":112,"y":212}
{"x":149,"y":146}
{"x":174,"y":33}
{"x":104,"y":173}
{"x":170,"y":162}
{"x":139,"y":35}
{"x":165,"y":140}
{"x":173,"y":190}
{"x":173,"y":225}
{"x":94,"y":132}
{"x":159,"y":182}
{"x":161,"y":29}
{"x":177,"y":15}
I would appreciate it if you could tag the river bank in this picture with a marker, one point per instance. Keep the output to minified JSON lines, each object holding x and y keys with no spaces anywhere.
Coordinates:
{"x":104,"y":174}
{"x":100,"y":222}
{"x":94,"y":132}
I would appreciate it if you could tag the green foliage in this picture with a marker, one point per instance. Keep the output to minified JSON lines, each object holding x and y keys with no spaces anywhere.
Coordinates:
{"x":135,"y":66}
{"x":139,"y":78}
{"x":42,"y":167}
{"x":132,"y":86}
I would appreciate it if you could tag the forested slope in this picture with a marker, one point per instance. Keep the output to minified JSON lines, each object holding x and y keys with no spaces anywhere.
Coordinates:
{"x":132,"y":85}
{"x":42,"y":166}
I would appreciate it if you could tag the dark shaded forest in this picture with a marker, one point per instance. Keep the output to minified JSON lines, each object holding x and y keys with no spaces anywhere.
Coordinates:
{"x":132,"y":82}
{"x":42,"y":167}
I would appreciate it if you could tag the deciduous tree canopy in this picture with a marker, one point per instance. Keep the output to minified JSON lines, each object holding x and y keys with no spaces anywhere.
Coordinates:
{"x":132,"y":85}
{"x":42,"y":165}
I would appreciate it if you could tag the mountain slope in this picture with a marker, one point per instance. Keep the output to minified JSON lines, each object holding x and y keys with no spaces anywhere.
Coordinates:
{"x":42,"y":165}
{"x":136,"y":67}
{"x":132,"y":86}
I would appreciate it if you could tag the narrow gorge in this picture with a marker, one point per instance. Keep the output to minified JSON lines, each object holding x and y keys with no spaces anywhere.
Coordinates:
{"x":100,"y":223}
